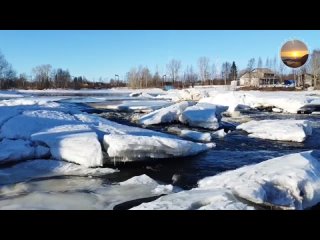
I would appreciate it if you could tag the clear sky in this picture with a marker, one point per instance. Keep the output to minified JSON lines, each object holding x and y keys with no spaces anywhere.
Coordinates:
{"x":105,"y":53}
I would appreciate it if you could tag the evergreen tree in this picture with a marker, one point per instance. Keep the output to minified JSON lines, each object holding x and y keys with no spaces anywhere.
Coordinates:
{"x":233,"y":71}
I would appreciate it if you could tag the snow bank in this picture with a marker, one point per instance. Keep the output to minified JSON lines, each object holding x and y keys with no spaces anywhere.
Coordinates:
{"x":189,"y":134}
{"x":73,"y":143}
{"x":130,"y":147}
{"x":203,"y":115}
{"x":17,"y":150}
{"x":34,"y":169}
{"x":165,"y":115}
{"x":281,"y":130}
{"x":288,"y":182}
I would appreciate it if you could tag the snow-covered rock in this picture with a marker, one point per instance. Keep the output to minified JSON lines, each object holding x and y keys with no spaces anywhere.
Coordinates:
{"x":288,"y":182}
{"x":134,"y":147}
{"x":40,"y":168}
{"x":281,"y":130}
{"x":203,"y":115}
{"x":165,"y":115}
{"x":17,"y":150}
{"x":189,"y":134}
{"x":73,"y":143}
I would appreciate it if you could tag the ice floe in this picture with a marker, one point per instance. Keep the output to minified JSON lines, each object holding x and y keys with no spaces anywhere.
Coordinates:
{"x":73,"y":143}
{"x":281,"y":130}
{"x":132,"y":147}
{"x":40,"y":168}
{"x":189,"y":134}
{"x":29,"y":122}
{"x":166,"y":114}
{"x":203,"y":115}
{"x":288,"y":182}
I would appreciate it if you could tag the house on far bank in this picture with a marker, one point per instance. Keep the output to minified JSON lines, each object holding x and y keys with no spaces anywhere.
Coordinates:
{"x":305,"y":79}
{"x":259,"y":77}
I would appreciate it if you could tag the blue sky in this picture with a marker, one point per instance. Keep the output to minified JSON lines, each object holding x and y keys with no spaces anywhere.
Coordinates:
{"x":105,"y":53}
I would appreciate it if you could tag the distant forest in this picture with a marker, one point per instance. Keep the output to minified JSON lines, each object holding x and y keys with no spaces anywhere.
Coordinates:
{"x":46,"y":77}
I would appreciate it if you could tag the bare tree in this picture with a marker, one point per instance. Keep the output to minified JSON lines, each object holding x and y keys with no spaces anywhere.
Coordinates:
{"x":62,"y":78}
{"x":190,"y":76}
{"x":250,"y":67}
{"x":259,"y":63}
{"x":173,"y":68}
{"x":203,"y":64}
{"x":274,"y":64}
{"x":132,"y":78}
{"x":267,"y":63}
{"x":42,"y":76}
{"x":314,"y":67}
{"x":251,"y":64}
{"x":225,"y":71}
{"x":7,"y":74}
{"x":281,"y":70}
{"x":213,"y":72}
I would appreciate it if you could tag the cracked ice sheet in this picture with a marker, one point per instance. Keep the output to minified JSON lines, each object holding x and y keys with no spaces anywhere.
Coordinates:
{"x":288,"y":182}
{"x":78,"y":193}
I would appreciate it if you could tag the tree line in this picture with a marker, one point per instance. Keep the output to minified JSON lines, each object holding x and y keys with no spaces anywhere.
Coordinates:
{"x":205,"y":73}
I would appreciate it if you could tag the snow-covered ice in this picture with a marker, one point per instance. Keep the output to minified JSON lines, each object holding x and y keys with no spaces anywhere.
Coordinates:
{"x":6,"y":113}
{"x":203,"y":115}
{"x":288,"y":182}
{"x":133,"y":147}
{"x":40,"y":168}
{"x":73,"y":143}
{"x":220,"y":133}
{"x":17,"y":150}
{"x":78,"y":193}
{"x":29,"y":122}
{"x":189,"y":134}
{"x":9,"y":94}
{"x":166,"y":114}
{"x":289,"y":102}
{"x":281,"y":130}
{"x":132,"y":105}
